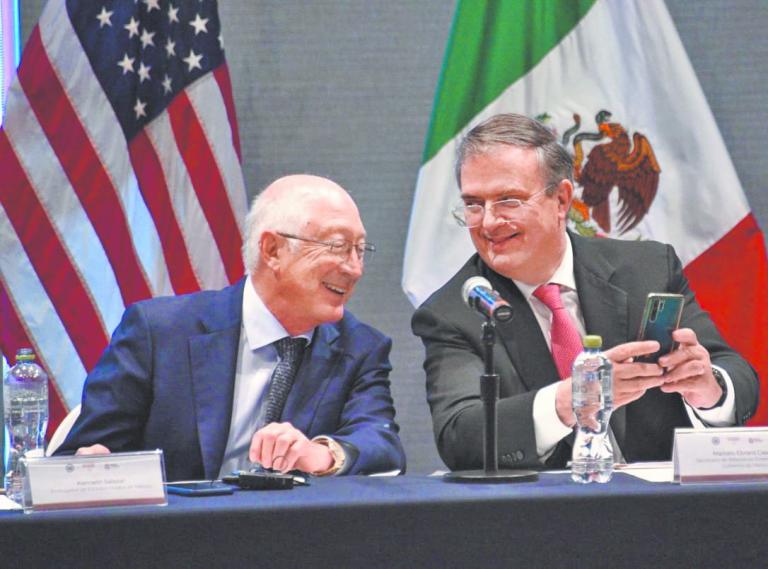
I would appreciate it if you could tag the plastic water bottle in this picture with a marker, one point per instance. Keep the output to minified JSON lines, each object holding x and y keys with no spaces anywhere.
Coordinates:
{"x":592,"y":385}
{"x":25,"y":402}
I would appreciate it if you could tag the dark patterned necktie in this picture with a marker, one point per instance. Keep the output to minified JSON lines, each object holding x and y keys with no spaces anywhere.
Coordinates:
{"x":290,"y":351}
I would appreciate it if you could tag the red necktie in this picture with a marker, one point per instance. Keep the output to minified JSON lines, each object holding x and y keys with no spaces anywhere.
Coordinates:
{"x":565,"y":337}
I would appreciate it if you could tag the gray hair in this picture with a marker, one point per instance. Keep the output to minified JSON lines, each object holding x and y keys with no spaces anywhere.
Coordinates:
{"x":269,"y":213}
{"x":518,"y":130}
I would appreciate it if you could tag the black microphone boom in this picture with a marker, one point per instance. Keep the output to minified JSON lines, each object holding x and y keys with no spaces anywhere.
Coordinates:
{"x":478,"y":294}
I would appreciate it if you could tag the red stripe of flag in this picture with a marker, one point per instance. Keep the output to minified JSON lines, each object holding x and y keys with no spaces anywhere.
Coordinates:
{"x":221,"y":73}
{"x":13,"y":336}
{"x":49,"y":258}
{"x":153,"y":187}
{"x":83,"y":167}
{"x":208,"y":183}
{"x":730,"y":280}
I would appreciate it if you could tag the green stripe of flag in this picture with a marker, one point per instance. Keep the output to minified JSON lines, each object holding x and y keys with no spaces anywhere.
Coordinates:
{"x":493,"y":43}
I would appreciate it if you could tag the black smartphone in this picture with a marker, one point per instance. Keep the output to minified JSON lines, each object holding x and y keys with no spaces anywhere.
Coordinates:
{"x":660,"y":318}
{"x":202,"y":488}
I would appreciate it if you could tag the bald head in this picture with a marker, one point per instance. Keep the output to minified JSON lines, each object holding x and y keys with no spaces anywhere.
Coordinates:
{"x":286,"y":205}
{"x":293,"y":191}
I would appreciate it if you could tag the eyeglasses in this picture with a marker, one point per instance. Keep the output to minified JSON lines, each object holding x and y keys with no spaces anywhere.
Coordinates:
{"x":471,"y":214}
{"x":339,"y":248}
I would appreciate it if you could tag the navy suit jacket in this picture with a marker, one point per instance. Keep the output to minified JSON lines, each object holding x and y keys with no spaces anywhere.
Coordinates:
{"x":167,"y":381}
{"x":612,"y":279}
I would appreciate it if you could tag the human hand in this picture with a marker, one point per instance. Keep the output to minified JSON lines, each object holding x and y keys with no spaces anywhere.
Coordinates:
{"x":93,"y":449}
{"x":632,"y":379}
{"x":283,"y":447}
{"x":564,"y":403}
{"x":689,"y":371}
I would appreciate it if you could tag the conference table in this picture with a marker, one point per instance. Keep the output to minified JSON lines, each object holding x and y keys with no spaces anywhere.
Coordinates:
{"x":411,"y":521}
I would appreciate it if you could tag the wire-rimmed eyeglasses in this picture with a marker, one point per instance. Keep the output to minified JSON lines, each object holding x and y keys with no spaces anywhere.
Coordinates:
{"x":339,"y":247}
{"x":470,"y":215}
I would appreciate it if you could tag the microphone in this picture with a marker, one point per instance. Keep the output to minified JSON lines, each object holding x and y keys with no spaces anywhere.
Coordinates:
{"x":478,"y":293}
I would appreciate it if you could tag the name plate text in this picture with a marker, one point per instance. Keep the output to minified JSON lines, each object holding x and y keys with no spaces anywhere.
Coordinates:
{"x":721,"y":455}
{"x":118,"y":479}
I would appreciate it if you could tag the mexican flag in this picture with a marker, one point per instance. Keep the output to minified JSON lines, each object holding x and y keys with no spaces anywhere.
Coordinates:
{"x":613,"y":81}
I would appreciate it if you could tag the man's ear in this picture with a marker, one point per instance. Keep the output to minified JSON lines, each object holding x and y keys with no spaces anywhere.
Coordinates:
{"x":564,"y":194}
{"x":269,"y":249}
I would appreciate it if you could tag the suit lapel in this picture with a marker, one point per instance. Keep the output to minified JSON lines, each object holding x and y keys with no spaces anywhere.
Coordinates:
{"x":522,"y":338}
{"x":213,"y":358}
{"x":604,"y":307}
{"x":317,"y":368}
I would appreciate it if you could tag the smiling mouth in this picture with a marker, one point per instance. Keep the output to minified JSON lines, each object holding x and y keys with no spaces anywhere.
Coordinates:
{"x":335,"y":289}
{"x":498,"y":241}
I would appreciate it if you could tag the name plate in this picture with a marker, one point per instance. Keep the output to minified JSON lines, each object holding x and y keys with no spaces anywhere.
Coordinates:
{"x":118,"y":479}
{"x":721,"y":455}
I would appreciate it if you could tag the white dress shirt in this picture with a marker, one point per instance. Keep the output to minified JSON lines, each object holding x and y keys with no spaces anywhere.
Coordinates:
{"x":548,"y":428}
{"x":256,"y":360}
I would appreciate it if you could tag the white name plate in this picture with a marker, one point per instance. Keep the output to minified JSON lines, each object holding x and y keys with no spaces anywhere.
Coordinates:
{"x":118,"y":479}
{"x":734,"y":454}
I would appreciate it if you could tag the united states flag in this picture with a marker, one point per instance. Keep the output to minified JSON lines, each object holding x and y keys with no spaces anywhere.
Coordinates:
{"x":120,"y":176}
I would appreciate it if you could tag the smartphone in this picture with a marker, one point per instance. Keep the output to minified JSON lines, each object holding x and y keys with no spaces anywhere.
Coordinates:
{"x":661,"y":316}
{"x":202,"y":488}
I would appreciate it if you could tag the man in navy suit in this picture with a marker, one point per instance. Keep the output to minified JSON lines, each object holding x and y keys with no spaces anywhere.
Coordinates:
{"x":516,"y":189}
{"x":191,"y":374}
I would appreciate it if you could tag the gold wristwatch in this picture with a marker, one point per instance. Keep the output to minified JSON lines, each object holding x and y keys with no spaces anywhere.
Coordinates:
{"x":337,"y":451}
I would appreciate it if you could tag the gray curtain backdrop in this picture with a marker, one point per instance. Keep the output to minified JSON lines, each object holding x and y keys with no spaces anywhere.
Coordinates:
{"x":344,"y":88}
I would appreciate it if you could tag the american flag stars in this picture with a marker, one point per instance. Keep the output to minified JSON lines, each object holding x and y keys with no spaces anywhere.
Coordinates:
{"x":139,"y":107}
{"x":104,"y":17}
{"x":146,"y":38}
{"x":152,"y":5}
{"x":173,"y":14}
{"x":126,"y":63}
{"x":121,"y":176}
{"x":199,"y":24}
{"x":170,"y":47}
{"x":132,"y":27}
{"x":158,"y":47}
{"x":144,"y":72}
{"x":193,"y":60}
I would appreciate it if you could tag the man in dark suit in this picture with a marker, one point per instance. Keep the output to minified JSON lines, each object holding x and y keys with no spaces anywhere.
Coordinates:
{"x":191,"y":374}
{"x":516,"y":189}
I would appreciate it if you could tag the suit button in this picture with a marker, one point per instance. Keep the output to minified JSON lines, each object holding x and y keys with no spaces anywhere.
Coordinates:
{"x":519,"y":455}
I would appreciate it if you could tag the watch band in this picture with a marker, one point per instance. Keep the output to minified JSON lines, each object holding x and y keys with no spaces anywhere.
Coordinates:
{"x":723,"y":385}
{"x":337,"y":451}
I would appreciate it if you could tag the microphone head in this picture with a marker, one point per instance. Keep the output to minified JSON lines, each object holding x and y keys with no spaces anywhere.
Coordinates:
{"x":470,"y":284}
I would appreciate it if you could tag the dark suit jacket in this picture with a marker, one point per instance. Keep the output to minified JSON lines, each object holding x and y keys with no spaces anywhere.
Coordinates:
{"x":612,"y":278}
{"x":167,"y":381}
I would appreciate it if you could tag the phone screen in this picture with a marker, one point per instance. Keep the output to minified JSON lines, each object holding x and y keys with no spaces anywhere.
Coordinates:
{"x":660,"y":318}
{"x":202,"y":488}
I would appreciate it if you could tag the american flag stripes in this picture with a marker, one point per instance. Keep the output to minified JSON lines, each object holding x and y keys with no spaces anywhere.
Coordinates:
{"x":120,"y":176}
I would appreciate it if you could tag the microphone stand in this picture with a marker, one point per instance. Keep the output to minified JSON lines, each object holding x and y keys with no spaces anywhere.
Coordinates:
{"x":489,"y":393}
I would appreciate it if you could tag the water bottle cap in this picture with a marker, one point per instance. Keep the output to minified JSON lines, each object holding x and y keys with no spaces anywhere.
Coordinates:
{"x":25,"y":355}
{"x":593,"y":341}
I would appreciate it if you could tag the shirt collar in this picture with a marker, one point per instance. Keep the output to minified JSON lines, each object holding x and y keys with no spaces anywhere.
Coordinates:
{"x":563,"y":275}
{"x":260,"y":325}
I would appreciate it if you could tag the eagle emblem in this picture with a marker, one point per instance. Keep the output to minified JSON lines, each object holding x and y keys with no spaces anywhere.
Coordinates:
{"x":627,"y":165}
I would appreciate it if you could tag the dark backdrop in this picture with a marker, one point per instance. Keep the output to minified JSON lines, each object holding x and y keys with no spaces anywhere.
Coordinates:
{"x":344,"y":88}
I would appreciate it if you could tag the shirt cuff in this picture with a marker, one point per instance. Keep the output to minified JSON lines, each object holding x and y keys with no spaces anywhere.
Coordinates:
{"x":547,"y":427}
{"x":722,"y":416}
